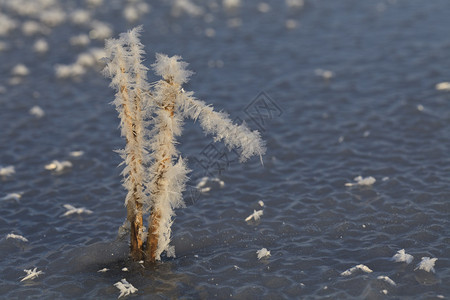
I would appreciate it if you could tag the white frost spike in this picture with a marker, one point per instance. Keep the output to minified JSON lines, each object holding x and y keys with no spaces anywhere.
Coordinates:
{"x":263,"y":253}
{"x":31,"y":274}
{"x":17,"y":237}
{"x":362,"y":181}
{"x":125,"y":288}
{"x":13,"y":196}
{"x":402,"y":256}
{"x":361,"y":267}
{"x":103,"y":270}
{"x":387,"y":279}
{"x":427,"y":264}
{"x":58,"y":166}
{"x":37,"y":112}
{"x":73,"y":210}
{"x":256,"y":215}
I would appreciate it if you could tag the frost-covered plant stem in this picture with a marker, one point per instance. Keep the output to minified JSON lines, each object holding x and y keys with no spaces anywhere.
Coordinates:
{"x":125,"y":70}
{"x":158,"y":189}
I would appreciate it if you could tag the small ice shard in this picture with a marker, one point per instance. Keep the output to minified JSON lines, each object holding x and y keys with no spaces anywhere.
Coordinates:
{"x":103,"y":270}
{"x":366,"y":133}
{"x":53,"y":17}
{"x":385,"y":291}
{"x":263,"y":253}
{"x":80,"y":40}
{"x":256,"y":215}
{"x":125,"y":269}
{"x":362,"y":181}
{"x":58,"y":166}
{"x":231,"y":5}
{"x":73,"y":210}
{"x":16,"y":237}
{"x":352,"y":270}
{"x":263,"y":7}
{"x":7,"y":171}
{"x":125,"y":288}
{"x":427,"y":264}
{"x":37,"y":112}
{"x":443,"y":86}
{"x":12,"y":196}
{"x":20,"y":70}
{"x":387,"y":279}
{"x":291,"y":24}
{"x":385,"y":178}
{"x":341,"y":139}
{"x":76,"y":153}
{"x":261,"y":203}
{"x":420,"y":107}
{"x":236,"y":267}
{"x":204,"y":181}
{"x":40,"y":46}
{"x":402,"y":256}
{"x":80,"y":17}
{"x":31,"y":274}
{"x":295,"y":3}
{"x":325,"y":74}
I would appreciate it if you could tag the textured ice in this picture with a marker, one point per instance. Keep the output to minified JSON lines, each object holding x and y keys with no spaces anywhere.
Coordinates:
{"x":402,"y":256}
{"x":352,"y":270}
{"x":125,"y":288}
{"x":263,"y":253}
{"x":427,"y":264}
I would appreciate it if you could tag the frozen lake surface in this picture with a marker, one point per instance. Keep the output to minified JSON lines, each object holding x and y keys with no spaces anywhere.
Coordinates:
{"x":339,"y":89}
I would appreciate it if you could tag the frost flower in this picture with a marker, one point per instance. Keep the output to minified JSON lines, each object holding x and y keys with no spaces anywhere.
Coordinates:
{"x":263,"y":253}
{"x":402,"y":256}
{"x":427,"y":264}
{"x":125,"y":288}
{"x":352,"y":270}
{"x":31,"y":274}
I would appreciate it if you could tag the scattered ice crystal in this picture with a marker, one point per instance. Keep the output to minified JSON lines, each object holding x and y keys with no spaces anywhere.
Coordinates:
{"x":427,"y":264}
{"x":256,"y":215}
{"x":362,"y":181}
{"x":40,"y":46}
{"x":387,"y":279}
{"x":58,"y":166}
{"x":261,"y":203}
{"x":100,"y":31}
{"x":37,"y":112}
{"x":80,"y":40}
{"x":263,"y":253}
{"x":263,"y":7}
{"x":103,"y":270}
{"x":443,"y":86}
{"x":76,"y":153}
{"x":231,"y":4}
{"x":291,"y":24}
{"x":17,"y":237}
{"x":20,"y":70}
{"x":125,"y":269}
{"x":295,"y":3}
{"x":325,"y":74}
{"x":73,"y":210}
{"x":402,"y":256}
{"x":12,"y":196}
{"x":125,"y":288}
{"x":352,"y":270}
{"x":80,"y":17}
{"x":31,"y":274}
{"x":7,"y":171}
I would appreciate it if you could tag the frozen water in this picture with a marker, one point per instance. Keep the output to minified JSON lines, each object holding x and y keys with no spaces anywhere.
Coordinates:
{"x":386,"y":59}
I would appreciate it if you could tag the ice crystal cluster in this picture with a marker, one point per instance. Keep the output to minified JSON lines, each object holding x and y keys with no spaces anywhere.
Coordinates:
{"x":151,"y":119}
